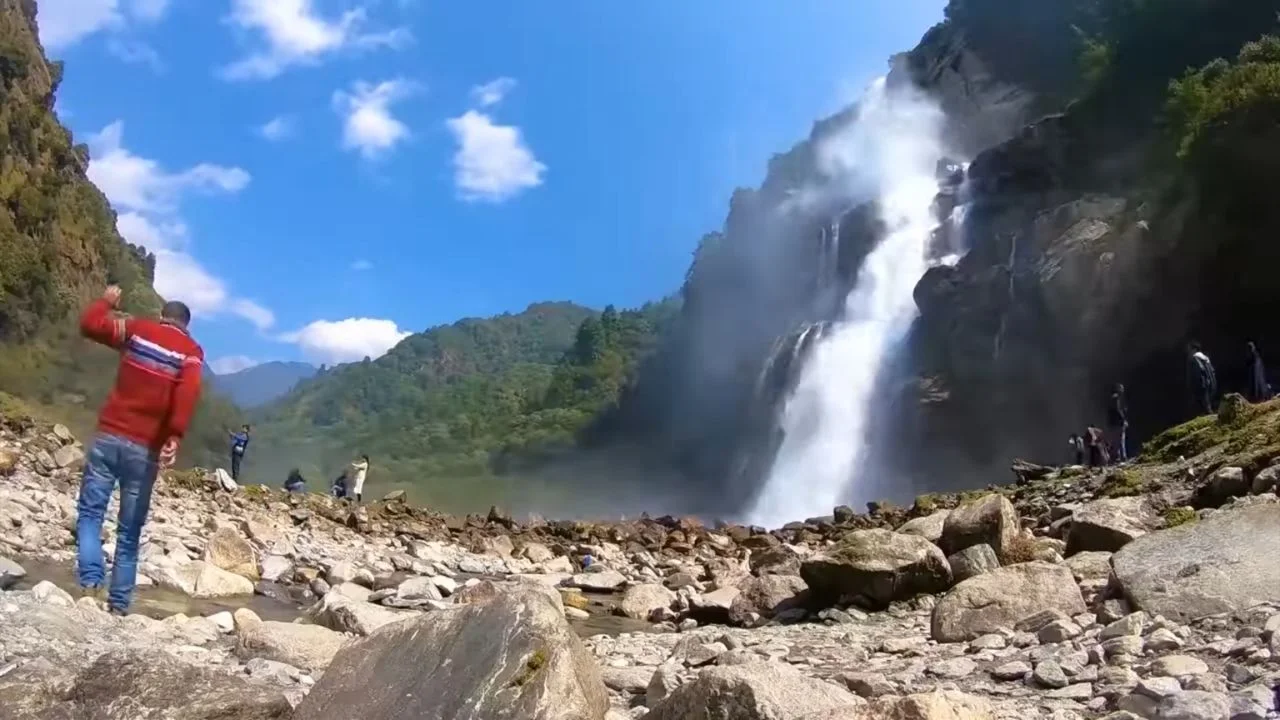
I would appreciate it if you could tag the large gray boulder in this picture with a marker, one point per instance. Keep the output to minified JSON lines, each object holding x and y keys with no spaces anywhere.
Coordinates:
{"x":758,"y":691}
{"x":875,"y":567}
{"x":641,"y":600}
{"x":1108,"y":525}
{"x":513,"y":658}
{"x":999,"y":599}
{"x":928,"y":527}
{"x":130,"y":685}
{"x":989,"y":520}
{"x":767,"y":596}
{"x":200,"y":579}
{"x":1223,"y":564}
{"x":227,"y":550}
{"x":302,"y":645}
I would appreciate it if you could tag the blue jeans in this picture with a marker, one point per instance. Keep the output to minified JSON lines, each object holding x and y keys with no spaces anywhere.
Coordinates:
{"x":114,"y":460}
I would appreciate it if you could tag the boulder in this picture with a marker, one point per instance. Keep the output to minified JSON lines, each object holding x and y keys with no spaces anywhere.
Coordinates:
{"x":990,"y":520}
{"x":603,"y":581}
{"x":1108,"y":525}
{"x":1090,"y":565}
{"x":758,"y":691}
{"x":514,"y":658}
{"x":275,"y":567}
{"x":338,"y":612}
{"x":67,"y":455}
{"x":227,"y":550}
{"x":419,"y":588}
{"x":641,"y":600}
{"x":200,"y":579}
{"x":129,"y":685}
{"x":928,"y":527}
{"x":766,"y":596}
{"x":998,"y":600}
{"x":781,"y":560}
{"x":874,"y":568}
{"x":973,"y":561}
{"x":1225,"y":483}
{"x":1218,"y":565}
{"x":10,"y":573}
{"x":302,"y":645}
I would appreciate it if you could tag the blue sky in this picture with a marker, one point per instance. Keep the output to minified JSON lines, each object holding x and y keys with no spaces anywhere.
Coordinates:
{"x":320,"y":177}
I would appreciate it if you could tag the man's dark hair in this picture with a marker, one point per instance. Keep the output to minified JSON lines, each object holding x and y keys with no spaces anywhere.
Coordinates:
{"x":177,"y":312}
{"x":1193,"y":346}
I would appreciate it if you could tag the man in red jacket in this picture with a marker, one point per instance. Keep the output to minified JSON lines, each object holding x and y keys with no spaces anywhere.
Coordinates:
{"x":139,"y":429}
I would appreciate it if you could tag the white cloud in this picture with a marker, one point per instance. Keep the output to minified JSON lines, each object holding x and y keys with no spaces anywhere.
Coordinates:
{"x":232,"y":364}
{"x":136,"y":183}
{"x":492,"y":163}
{"x":361,"y":265}
{"x":135,"y":53}
{"x":278,"y":128}
{"x":147,"y":199}
{"x":296,"y":34}
{"x":63,"y":23}
{"x":350,"y":340}
{"x":368,"y":125}
{"x":492,"y":92}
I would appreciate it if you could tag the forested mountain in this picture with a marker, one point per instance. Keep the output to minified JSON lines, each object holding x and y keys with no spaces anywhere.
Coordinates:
{"x":260,"y":384}
{"x":58,"y":249}
{"x":449,"y":409}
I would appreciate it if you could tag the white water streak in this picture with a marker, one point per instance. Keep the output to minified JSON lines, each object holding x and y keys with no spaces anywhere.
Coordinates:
{"x":889,"y":153}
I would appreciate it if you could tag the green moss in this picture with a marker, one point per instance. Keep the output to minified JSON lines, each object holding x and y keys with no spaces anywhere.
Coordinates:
{"x":531,"y":667}
{"x":1176,"y":516}
{"x":257,"y":492}
{"x":925,"y":504}
{"x":1122,"y":483}
{"x":193,"y":479}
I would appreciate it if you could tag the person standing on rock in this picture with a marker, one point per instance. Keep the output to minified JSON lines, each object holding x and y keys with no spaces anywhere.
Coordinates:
{"x":1097,"y":445}
{"x":1202,"y":380}
{"x":239,"y":443}
{"x":1258,"y":390}
{"x":359,"y":469}
{"x":1118,"y":424}
{"x":139,"y":429}
{"x":1076,"y":443}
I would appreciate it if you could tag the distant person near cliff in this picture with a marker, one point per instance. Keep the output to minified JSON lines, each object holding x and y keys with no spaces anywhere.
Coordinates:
{"x":1096,"y":441}
{"x":139,"y":430}
{"x":1076,"y":443}
{"x":359,"y":470}
{"x":1118,"y":424}
{"x":1202,"y":380}
{"x":1258,"y":389}
{"x":295,"y":483}
{"x":239,"y":443}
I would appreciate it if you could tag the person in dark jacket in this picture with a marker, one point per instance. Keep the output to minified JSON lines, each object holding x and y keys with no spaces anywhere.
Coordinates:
{"x":239,"y":443}
{"x":1097,"y":444}
{"x":1202,"y":380}
{"x":295,"y":483}
{"x":1118,"y":424}
{"x":1258,"y":389}
{"x":1076,"y":443}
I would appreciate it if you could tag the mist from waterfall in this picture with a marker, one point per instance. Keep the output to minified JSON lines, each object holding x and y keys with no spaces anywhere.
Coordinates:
{"x":888,"y":153}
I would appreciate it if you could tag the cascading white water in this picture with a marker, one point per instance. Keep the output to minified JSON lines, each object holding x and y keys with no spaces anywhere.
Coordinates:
{"x":888,"y":153}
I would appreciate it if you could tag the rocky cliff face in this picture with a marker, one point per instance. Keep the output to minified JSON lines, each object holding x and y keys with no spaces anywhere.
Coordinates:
{"x":1094,"y":257}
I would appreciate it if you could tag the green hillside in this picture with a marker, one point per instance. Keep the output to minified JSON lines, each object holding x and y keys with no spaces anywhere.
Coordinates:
{"x":450,"y":411}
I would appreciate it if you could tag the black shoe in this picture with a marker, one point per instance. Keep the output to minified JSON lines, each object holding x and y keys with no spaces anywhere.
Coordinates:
{"x":118,"y":612}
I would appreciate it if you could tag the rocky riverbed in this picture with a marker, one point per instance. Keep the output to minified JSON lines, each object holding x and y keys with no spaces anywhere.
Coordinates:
{"x":1144,"y":591}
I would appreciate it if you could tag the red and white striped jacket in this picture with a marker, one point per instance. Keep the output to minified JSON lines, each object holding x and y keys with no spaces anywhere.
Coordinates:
{"x":158,"y":381}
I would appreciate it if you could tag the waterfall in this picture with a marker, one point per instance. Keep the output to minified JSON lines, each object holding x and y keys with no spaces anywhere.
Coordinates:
{"x":889,"y":153}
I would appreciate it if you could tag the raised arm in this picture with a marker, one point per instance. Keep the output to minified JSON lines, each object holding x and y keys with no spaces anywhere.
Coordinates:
{"x":100,"y":324}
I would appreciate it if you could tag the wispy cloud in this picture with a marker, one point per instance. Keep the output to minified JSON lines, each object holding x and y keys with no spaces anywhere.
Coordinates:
{"x":492,"y":92}
{"x":293,"y":33}
{"x":278,"y":128}
{"x":232,"y":364}
{"x":368,"y":126}
{"x":147,"y":198}
{"x":63,"y":23}
{"x":361,"y":265}
{"x":135,"y":53}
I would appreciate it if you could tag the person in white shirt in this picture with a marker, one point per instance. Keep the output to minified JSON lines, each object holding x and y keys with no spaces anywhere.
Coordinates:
{"x":359,"y":469}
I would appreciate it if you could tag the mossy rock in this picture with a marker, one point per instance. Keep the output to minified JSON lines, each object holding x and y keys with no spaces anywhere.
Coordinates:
{"x":1173,"y":517}
{"x":1122,"y":483}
